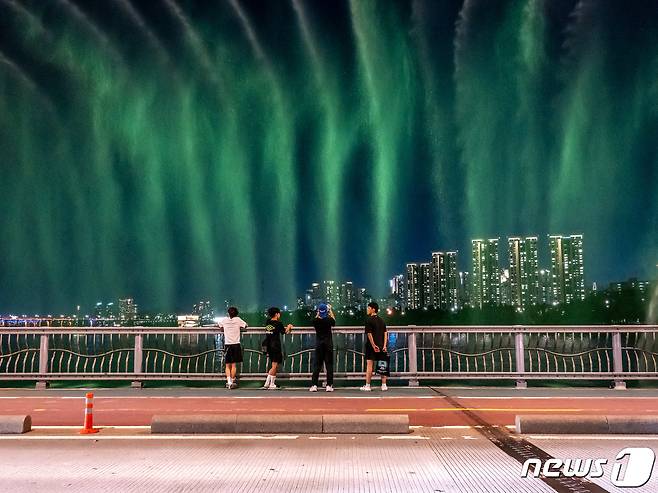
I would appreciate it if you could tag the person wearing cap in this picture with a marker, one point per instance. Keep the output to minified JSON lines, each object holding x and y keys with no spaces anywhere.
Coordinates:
{"x":324,"y":348}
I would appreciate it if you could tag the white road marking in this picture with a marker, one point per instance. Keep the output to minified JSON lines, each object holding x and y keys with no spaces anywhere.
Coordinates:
{"x":223,"y":396}
{"x":593,"y":437}
{"x":151,"y":437}
{"x":452,"y":427}
{"x":553,"y":397}
{"x":322,"y":438}
{"x":333,"y":396}
{"x":69,"y":427}
{"x":402,"y":437}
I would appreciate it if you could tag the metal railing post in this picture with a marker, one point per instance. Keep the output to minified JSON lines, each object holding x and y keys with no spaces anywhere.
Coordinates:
{"x":413,"y":360}
{"x":43,"y":362}
{"x":519,"y":357}
{"x":617,"y":364}
{"x":137,"y":361}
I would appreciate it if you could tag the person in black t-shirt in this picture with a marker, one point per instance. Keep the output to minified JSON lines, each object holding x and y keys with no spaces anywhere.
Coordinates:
{"x":324,"y":348}
{"x":274,"y":329}
{"x":375,"y":344}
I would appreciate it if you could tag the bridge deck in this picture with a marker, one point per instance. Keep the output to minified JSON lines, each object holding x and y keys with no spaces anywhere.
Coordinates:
{"x":459,"y":442}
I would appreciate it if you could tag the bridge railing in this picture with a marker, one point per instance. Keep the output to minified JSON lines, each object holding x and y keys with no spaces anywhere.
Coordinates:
{"x":520,"y":353}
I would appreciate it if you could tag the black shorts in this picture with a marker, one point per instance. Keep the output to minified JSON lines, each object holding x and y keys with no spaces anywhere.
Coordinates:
{"x":275,"y":355}
{"x":233,"y":353}
{"x":372,"y":355}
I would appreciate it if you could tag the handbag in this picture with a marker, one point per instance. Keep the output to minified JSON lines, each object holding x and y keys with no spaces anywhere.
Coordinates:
{"x":382,"y":366}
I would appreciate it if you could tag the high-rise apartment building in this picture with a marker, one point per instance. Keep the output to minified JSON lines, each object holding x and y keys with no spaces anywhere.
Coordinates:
{"x":425,"y":285}
{"x":545,"y":287}
{"x":486,"y":275}
{"x":464,"y":289}
{"x":338,"y":294}
{"x":330,"y":292}
{"x":363,"y":299}
{"x":444,"y":281}
{"x":413,"y":286}
{"x":567,"y":271}
{"x":107,"y":311}
{"x":505,"y":288}
{"x":397,"y":287}
{"x":347,"y":297}
{"x":523,"y":271}
{"x":127,"y":309}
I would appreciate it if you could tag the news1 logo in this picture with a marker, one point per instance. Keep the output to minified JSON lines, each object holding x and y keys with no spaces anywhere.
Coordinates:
{"x":637,"y":473}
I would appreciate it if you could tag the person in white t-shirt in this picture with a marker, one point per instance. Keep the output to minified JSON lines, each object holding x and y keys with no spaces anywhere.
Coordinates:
{"x":232,"y":348}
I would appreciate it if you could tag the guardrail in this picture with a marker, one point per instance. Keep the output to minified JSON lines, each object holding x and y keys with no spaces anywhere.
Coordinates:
{"x":519,"y":353}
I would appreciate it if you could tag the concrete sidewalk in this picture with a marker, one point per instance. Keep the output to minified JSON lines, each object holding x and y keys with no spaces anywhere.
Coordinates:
{"x":448,"y":459}
{"x":434,"y":460}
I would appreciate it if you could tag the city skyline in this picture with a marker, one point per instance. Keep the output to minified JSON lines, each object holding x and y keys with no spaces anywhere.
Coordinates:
{"x":524,"y":283}
{"x":535,"y":285}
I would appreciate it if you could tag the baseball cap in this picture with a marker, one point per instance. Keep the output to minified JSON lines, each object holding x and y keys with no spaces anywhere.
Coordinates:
{"x":323,"y":310}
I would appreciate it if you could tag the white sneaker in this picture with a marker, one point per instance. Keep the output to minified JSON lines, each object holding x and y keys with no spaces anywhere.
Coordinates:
{"x":384,"y":387}
{"x":365,"y":388}
{"x":272,"y":386}
{"x":314,"y":388}
{"x":329,"y":388}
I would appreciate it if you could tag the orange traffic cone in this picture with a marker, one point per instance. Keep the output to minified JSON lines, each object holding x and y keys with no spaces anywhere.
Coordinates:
{"x":89,"y":416}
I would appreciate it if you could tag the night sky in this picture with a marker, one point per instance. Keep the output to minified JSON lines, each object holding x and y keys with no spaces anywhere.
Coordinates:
{"x":173,"y":150}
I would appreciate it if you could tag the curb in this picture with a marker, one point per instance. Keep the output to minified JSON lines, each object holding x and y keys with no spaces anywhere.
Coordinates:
{"x":280,"y":423}
{"x":15,"y":424}
{"x":559,"y":424}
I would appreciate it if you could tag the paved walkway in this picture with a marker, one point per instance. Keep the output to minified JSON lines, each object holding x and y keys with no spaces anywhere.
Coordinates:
{"x":445,"y":460}
{"x":426,"y":406}
{"x":451,"y":459}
